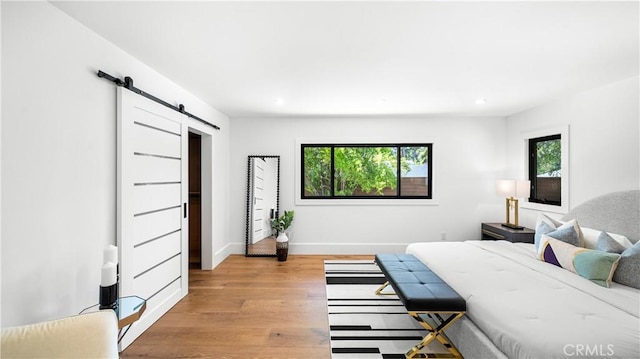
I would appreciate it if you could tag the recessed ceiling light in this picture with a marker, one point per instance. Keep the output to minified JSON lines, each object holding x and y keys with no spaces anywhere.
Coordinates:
{"x":279,"y":101}
{"x":481,"y":101}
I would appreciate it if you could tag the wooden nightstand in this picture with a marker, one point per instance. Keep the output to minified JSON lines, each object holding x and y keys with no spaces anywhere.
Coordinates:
{"x":494,"y":231}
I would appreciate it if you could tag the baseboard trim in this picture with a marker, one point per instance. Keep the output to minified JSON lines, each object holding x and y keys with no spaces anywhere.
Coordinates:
{"x":346,"y":248}
{"x":226,"y":251}
{"x":320,"y":248}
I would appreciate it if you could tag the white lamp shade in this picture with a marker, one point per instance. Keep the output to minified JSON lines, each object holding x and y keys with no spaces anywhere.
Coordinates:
{"x":505,"y":188}
{"x":523,"y":189}
{"x":513,"y":188}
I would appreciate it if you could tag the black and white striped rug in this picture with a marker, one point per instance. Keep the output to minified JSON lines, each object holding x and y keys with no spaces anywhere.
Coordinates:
{"x":361,"y":323}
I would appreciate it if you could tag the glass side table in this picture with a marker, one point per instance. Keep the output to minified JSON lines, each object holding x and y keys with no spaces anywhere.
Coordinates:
{"x":128,"y":311}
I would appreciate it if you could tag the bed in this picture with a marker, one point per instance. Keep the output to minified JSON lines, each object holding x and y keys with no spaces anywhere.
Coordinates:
{"x":519,"y":306}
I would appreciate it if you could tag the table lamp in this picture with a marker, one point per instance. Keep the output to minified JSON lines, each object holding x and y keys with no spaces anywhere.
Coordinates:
{"x":512,"y":190}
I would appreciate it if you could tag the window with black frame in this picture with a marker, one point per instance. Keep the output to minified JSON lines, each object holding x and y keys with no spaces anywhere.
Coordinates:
{"x":332,"y":171}
{"x":545,"y":170}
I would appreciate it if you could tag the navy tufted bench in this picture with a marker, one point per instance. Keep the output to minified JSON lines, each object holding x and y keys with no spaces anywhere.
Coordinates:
{"x":427,"y":298}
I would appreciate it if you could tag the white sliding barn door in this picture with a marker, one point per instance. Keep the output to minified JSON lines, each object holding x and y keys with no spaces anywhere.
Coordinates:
{"x":152,"y":191}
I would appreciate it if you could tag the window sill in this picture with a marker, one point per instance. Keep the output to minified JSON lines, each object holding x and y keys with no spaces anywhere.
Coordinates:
{"x":544,"y":207}
{"x":366,"y":202}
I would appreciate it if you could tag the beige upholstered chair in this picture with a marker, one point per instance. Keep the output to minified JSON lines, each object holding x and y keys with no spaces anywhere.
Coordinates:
{"x":92,"y":335}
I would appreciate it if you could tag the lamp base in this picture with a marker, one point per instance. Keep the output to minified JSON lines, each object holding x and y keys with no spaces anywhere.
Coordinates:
{"x":512,"y":226}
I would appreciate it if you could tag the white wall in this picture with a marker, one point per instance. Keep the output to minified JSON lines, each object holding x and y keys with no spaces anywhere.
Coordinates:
{"x":58,"y":159}
{"x":469,"y":155}
{"x":604,"y":153}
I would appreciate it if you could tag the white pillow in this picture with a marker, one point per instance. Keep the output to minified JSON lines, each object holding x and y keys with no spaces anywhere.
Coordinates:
{"x":542,"y":217}
{"x":591,"y":238}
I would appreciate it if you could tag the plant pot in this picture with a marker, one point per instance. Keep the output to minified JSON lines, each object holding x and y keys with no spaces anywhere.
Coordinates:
{"x":282,"y":250}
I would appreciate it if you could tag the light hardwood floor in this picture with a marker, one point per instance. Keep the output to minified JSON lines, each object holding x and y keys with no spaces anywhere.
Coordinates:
{"x":246,"y":308}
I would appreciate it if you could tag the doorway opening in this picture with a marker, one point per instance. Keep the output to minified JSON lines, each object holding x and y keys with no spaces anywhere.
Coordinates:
{"x":195,"y":201}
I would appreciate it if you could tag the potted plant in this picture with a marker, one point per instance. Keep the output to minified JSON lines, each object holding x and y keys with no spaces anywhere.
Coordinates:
{"x":281,"y":224}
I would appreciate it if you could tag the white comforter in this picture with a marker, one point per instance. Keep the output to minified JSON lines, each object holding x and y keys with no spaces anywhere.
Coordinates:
{"x":532,"y":309}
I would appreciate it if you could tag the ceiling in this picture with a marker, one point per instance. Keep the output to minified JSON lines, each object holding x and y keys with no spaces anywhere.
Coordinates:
{"x":356,"y":58}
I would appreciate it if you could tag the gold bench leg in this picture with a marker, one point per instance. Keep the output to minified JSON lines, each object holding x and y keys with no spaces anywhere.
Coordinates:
{"x":379,"y":291}
{"x":436,"y":332}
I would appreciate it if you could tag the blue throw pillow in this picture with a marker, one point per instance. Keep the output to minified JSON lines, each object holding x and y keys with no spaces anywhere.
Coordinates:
{"x":606,"y":243}
{"x":628,"y":271}
{"x":546,"y":224}
{"x":541,"y":228}
{"x":567,"y":235}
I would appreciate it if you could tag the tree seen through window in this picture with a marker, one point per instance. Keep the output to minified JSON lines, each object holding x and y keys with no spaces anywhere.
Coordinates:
{"x":545,"y":170}
{"x":366,"y":171}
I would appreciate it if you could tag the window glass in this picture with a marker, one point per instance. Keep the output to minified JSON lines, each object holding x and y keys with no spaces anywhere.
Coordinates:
{"x":545,"y":170}
{"x":317,"y":171}
{"x":366,"y":171}
{"x":414,"y":178}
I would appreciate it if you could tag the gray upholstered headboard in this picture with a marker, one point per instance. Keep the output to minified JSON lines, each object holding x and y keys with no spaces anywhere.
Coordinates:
{"x":617,"y":212}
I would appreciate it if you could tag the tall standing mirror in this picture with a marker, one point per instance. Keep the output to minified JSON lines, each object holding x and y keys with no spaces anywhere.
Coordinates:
{"x":263,"y":201}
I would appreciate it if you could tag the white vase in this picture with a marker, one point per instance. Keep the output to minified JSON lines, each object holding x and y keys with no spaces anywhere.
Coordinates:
{"x":282,"y":237}
{"x":282,"y":247}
